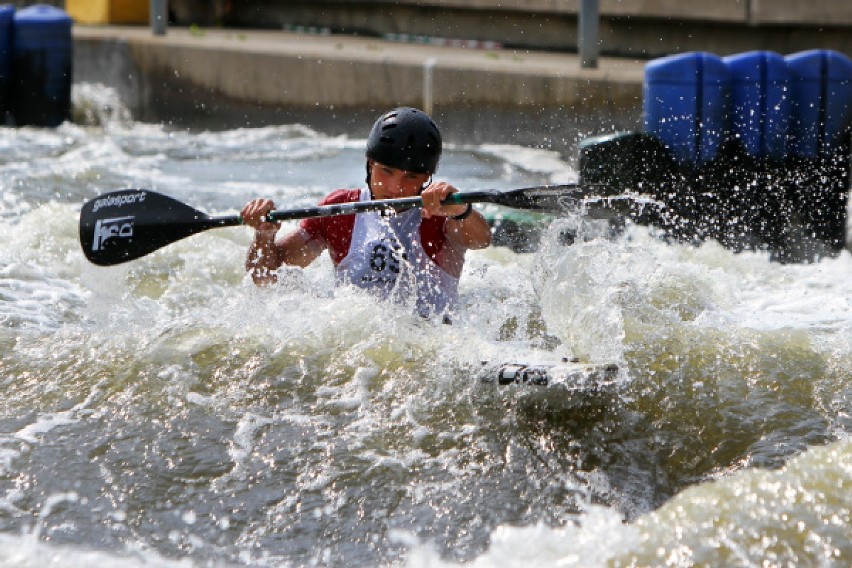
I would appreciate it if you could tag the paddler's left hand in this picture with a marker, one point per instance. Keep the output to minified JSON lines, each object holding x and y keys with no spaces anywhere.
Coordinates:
{"x":432,"y":197}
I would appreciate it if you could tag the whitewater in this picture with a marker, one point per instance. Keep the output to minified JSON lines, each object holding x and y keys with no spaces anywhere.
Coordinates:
{"x":167,"y":412}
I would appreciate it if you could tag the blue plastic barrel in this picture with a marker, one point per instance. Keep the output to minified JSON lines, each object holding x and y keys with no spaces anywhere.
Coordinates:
{"x":821,"y":98}
{"x":760,"y":105}
{"x":43,"y":60}
{"x":7,"y":12}
{"x":685,"y":104}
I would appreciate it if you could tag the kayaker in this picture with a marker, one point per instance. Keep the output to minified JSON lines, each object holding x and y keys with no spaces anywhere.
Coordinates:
{"x":414,"y":256}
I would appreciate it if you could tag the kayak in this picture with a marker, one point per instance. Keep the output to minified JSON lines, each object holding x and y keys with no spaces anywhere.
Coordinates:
{"x":571,"y":375}
{"x":566,"y":386}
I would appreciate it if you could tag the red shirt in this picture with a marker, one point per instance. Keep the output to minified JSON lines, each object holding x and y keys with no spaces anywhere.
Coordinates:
{"x":336,"y":233}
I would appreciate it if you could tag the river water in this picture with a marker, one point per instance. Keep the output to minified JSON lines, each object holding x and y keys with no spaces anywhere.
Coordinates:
{"x":166,"y":412}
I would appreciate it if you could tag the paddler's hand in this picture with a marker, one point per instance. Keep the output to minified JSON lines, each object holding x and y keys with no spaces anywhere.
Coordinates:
{"x":432,"y":197}
{"x":254,"y":215}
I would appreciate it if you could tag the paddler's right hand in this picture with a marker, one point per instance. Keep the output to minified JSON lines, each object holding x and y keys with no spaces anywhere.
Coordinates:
{"x":254,"y":215}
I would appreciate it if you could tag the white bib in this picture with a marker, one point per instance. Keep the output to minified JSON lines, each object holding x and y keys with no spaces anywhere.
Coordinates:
{"x":387,"y":258}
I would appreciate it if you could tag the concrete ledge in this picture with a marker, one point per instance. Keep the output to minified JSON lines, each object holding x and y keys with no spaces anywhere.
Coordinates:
{"x":628,"y":28}
{"x":831,"y":13}
{"x":727,"y":10}
{"x":230,"y":79}
{"x":279,"y":68}
{"x":826,"y":13}
{"x":800,"y":13}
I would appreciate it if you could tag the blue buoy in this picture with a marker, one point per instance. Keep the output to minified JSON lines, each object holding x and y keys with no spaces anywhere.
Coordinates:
{"x":685,"y":104}
{"x":760,"y":105}
{"x":7,"y":12}
{"x":821,"y":97}
{"x":42,"y":66}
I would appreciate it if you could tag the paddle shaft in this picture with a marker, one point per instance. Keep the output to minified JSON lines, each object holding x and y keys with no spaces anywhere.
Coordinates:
{"x":400,"y":204}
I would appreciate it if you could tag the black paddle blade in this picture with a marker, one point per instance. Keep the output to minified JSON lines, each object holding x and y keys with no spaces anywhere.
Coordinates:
{"x":595,"y":201}
{"x":545,"y":198}
{"x":124,"y":225}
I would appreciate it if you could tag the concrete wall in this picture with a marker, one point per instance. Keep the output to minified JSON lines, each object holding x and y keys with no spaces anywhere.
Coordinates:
{"x":637,"y":28}
{"x":252,"y":76}
{"x":793,"y":12}
{"x":733,"y":10}
{"x":828,"y":13}
{"x":219,"y":78}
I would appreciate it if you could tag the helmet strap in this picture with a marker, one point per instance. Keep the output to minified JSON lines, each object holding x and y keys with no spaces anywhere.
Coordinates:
{"x":425,"y":185}
{"x":369,"y":175}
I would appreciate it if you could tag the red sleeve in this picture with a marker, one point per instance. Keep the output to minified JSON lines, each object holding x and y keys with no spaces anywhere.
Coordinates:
{"x":335,"y":232}
{"x":432,"y":235}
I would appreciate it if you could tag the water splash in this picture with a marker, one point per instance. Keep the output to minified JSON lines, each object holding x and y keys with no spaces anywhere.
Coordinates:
{"x":94,"y":104}
{"x":197,"y":416}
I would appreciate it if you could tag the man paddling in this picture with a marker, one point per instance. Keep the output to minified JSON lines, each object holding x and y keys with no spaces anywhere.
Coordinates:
{"x":413,"y":256}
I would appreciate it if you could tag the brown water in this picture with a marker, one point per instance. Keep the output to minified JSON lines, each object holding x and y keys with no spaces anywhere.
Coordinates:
{"x":167,"y":412}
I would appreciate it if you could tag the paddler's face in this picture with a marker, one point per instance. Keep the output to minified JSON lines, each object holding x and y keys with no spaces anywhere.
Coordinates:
{"x":390,"y":183}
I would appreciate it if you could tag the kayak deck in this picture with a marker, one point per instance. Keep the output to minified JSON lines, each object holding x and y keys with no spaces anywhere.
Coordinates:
{"x":572,"y":375}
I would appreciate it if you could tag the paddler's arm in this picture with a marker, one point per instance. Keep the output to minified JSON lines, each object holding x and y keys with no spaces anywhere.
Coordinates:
{"x":465,"y":225}
{"x":266,"y":254}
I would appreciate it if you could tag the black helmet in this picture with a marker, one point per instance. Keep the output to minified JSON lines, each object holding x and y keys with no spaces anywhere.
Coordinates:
{"x":405,"y":139}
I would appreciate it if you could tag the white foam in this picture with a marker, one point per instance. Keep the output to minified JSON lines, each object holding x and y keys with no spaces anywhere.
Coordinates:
{"x":243,"y":441}
{"x":379,"y":381}
{"x":758,"y":515}
{"x":535,"y":160}
{"x":95,"y":104}
{"x":26,"y":552}
{"x":592,"y":540}
{"x":35,"y":299}
{"x":589,"y":290}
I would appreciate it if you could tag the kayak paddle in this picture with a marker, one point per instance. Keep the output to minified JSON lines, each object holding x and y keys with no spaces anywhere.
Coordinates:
{"x":125,"y":225}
